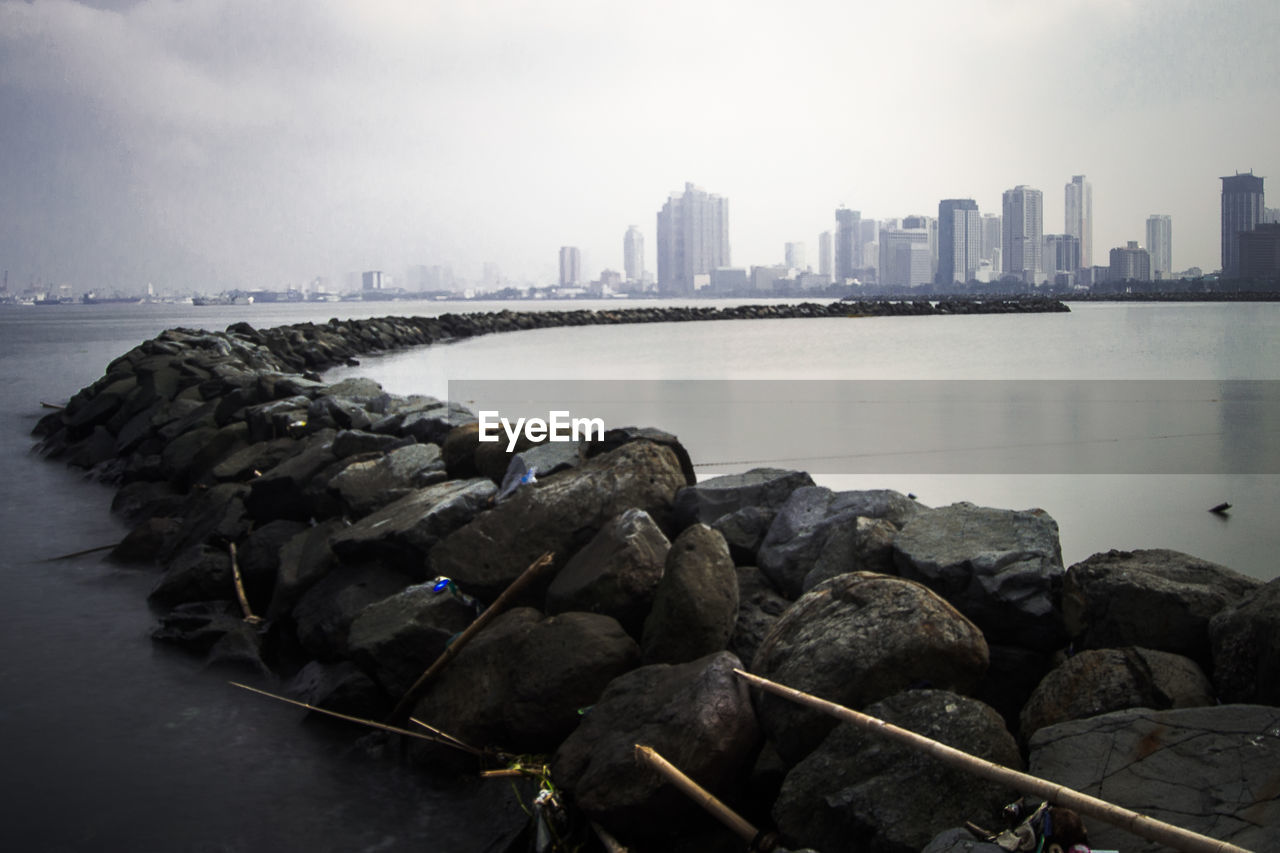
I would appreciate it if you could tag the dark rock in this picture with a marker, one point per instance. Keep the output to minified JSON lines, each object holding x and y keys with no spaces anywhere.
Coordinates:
{"x":759,"y":608}
{"x":303,"y":560}
{"x":350,"y":442}
{"x":199,"y":573}
{"x":1001,"y":568}
{"x":459,"y":450}
{"x":695,"y":605}
{"x":241,"y":648}
{"x":744,"y":532}
{"x":279,"y":493}
{"x":404,"y":532}
{"x":1156,"y":599}
{"x":98,"y":448}
{"x":365,"y":393}
{"x":616,"y":573}
{"x":324,"y":614}
{"x":1211,"y":770}
{"x":959,"y":840}
{"x":815,"y":531}
{"x":340,"y":687}
{"x":559,"y":515}
{"x":1245,"y":640}
{"x":868,"y":541}
{"x":551,"y":457}
{"x":259,"y":560}
{"x":397,"y":638}
{"x":859,"y":790}
{"x":616,"y":438}
{"x":1096,"y":681}
{"x":277,"y":419}
{"x":196,"y":626}
{"x":697,"y":715}
{"x":255,"y":460}
{"x":1013,"y":675}
{"x":144,"y":499}
{"x":858,"y":638}
{"x":371,"y":485}
{"x":709,"y":500}
{"x":144,"y":542}
{"x":337,"y":413}
{"x":214,"y":516}
{"x":523,"y":680}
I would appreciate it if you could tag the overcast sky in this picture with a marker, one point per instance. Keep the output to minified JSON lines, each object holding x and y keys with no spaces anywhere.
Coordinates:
{"x":221,"y":143}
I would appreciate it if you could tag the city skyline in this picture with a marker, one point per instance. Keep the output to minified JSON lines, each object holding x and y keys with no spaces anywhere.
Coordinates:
{"x":219,"y":143}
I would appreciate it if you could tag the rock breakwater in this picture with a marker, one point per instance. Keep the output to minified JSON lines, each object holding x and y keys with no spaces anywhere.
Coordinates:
{"x":366,"y":532}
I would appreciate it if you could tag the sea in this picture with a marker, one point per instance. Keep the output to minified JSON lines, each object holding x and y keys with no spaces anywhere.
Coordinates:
{"x":113,"y":742}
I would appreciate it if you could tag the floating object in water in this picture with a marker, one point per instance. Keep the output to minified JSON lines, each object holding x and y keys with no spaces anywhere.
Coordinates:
{"x":1221,"y":509}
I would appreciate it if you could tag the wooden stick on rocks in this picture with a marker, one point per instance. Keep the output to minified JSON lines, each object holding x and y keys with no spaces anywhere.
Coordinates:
{"x":405,"y":705}
{"x":244,"y":599}
{"x":1130,"y":821}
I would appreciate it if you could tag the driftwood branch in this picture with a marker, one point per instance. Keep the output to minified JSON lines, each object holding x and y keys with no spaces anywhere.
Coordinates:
{"x":405,"y":705}
{"x":239,"y":582}
{"x":1060,"y":795}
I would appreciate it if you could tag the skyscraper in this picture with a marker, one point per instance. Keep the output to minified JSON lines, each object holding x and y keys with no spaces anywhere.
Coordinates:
{"x":633,"y":254}
{"x":1023,"y":236}
{"x":693,"y":238}
{"x":1242,"y":210}
{"x":1160,"y":245}
{"x":824,"y":253}
{"x":1061,"y":254}
{"x":1079,"y":224}
{"x":1130,"y":263}
{"x":959,"y":240}
{"x":794,"y":256}
{"x":848,"y":250}
{"x":904,"y":257}
{"x":570,"y":266}
{"x":992,"y":229}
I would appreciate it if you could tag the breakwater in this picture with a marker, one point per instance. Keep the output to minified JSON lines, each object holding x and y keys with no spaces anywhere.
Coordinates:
{"x":346,"y":505}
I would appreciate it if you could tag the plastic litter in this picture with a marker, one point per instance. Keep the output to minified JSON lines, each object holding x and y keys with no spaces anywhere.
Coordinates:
{"x":519,"y":473}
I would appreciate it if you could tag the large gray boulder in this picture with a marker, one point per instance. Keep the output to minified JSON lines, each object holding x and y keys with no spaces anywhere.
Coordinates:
{"x":697,"y":715}
{"x":280,"y":492}
{"x":816,"y":531}
{"x":1096,"y":681}
{"x":521,"y":683}
{"x":403,"y":533}
{"x":1245,"y":640}
{"x":616,"y":574}
{"x":859,"y":790}
{"x":397,"y":638}
{"x":324,"y":613}
{"x":1212,"y":770}
{"x":695,"y":605}
{"x":1156,"y":599}
{"x":303,"y":560}
{"x":370,"y":485}
{"x":760,"y":487}
{"x":199,"y":573}
{"x":744,"y":531}
{"x":856,"y":639}
{"x":1001,"y":568}
{"x":560,"y":515}
{"x":957,"y":840}
{"x":759,"y":608}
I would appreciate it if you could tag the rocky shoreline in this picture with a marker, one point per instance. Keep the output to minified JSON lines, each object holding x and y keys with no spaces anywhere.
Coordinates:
{"x":340,"y":510}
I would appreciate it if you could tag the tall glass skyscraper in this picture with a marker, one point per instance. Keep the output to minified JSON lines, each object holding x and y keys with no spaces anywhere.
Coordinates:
{"x":1242,"y":210}
{"x":959,"y":240}
{"x":1023,"y":238}
{"x":1160,"y":245}
{"x":693,"y":238}
{"x":1079,"y":218}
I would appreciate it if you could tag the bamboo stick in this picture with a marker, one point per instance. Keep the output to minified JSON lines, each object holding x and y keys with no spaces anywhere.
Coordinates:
{"x":611,"y":844}
{"x":405,"y":705}
{"x":649,"y":757}
{"x":373,"y":724}
{"x":1126,"y":819}
{"x":79,"y":553}
{"x":244,"y":599}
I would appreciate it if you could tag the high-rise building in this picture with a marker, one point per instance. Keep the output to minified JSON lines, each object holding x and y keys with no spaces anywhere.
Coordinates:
{"x":633,"y":254}
{"x":1079,"y":219}
{"x":1271,"y":215}
{"x":1260,"y":251}
{"x":930,"y":227}
{"x":1061,"y":253}
{"x":570,"y":266}
{"x":372,"y":280}
{"x":959,"y":240}
{"x":1023,"y":237}
{"x":848,"y":245}
{"x":693,"y":238}
{"x":1160,"y":245}
{"x":904,"y":257}
{"x":1242,"y":210}
{"x":825,"y":265}
{"x":991,"y":236}
{"x":794,"y":256}
{"x":1131,"y":263}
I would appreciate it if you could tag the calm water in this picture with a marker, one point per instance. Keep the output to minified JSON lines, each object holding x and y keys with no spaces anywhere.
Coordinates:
{"x":112,"y":743}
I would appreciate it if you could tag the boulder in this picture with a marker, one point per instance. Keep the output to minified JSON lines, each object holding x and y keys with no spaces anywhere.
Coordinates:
{"x":869,"y":541}
{"x":1096,"y":681}
{"x":759,"y":608}
{"x":397,"y":638}
{"x":560,"y":515}
{"x":697,"y":715}
{"x":199,"y":573}
{"x":616,"y":573}
{"x":859,"y":790}
{"x":402,"y":533}
{"x":459,"y":450}
{"x":616,"y":438}
{"x":196,"y":626}
{"x":854,"y":640}
{"x":324,"y":613}
{"x":259,"y":560}
{"x":341,"y":687}
{"x":213,"y":516}
{"x":1212,"y":770}
{"x":146,"y":540}
{"x":1245,"y":641}
{"x":255,"y":460}
{"x":695,"y":605}
{"x":353,"y":442}
{"x":303,"y":560}
{"x":523,"y":681}
{"x":744,"y":532}
{"x":551,"y":457}
{"x":333,"y":412}
{"x":279,"y":493}
{"x":958,"y":840}
{"x":370,"y":485}
{"x":364,"y":392}
{"x":815,"y":531}
{"x":709,"y":500}
{"x":1156,"y":599}
{"x":1001,"y":568}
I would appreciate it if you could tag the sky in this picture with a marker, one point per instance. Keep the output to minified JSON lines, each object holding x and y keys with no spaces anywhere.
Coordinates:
{"x":210,"y":144}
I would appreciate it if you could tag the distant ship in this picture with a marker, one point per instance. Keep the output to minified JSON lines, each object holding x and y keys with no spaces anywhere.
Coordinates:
{"x":94,"y":299}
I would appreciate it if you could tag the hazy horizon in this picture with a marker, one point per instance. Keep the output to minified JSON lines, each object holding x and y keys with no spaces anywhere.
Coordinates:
{"x":217,"y":143}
